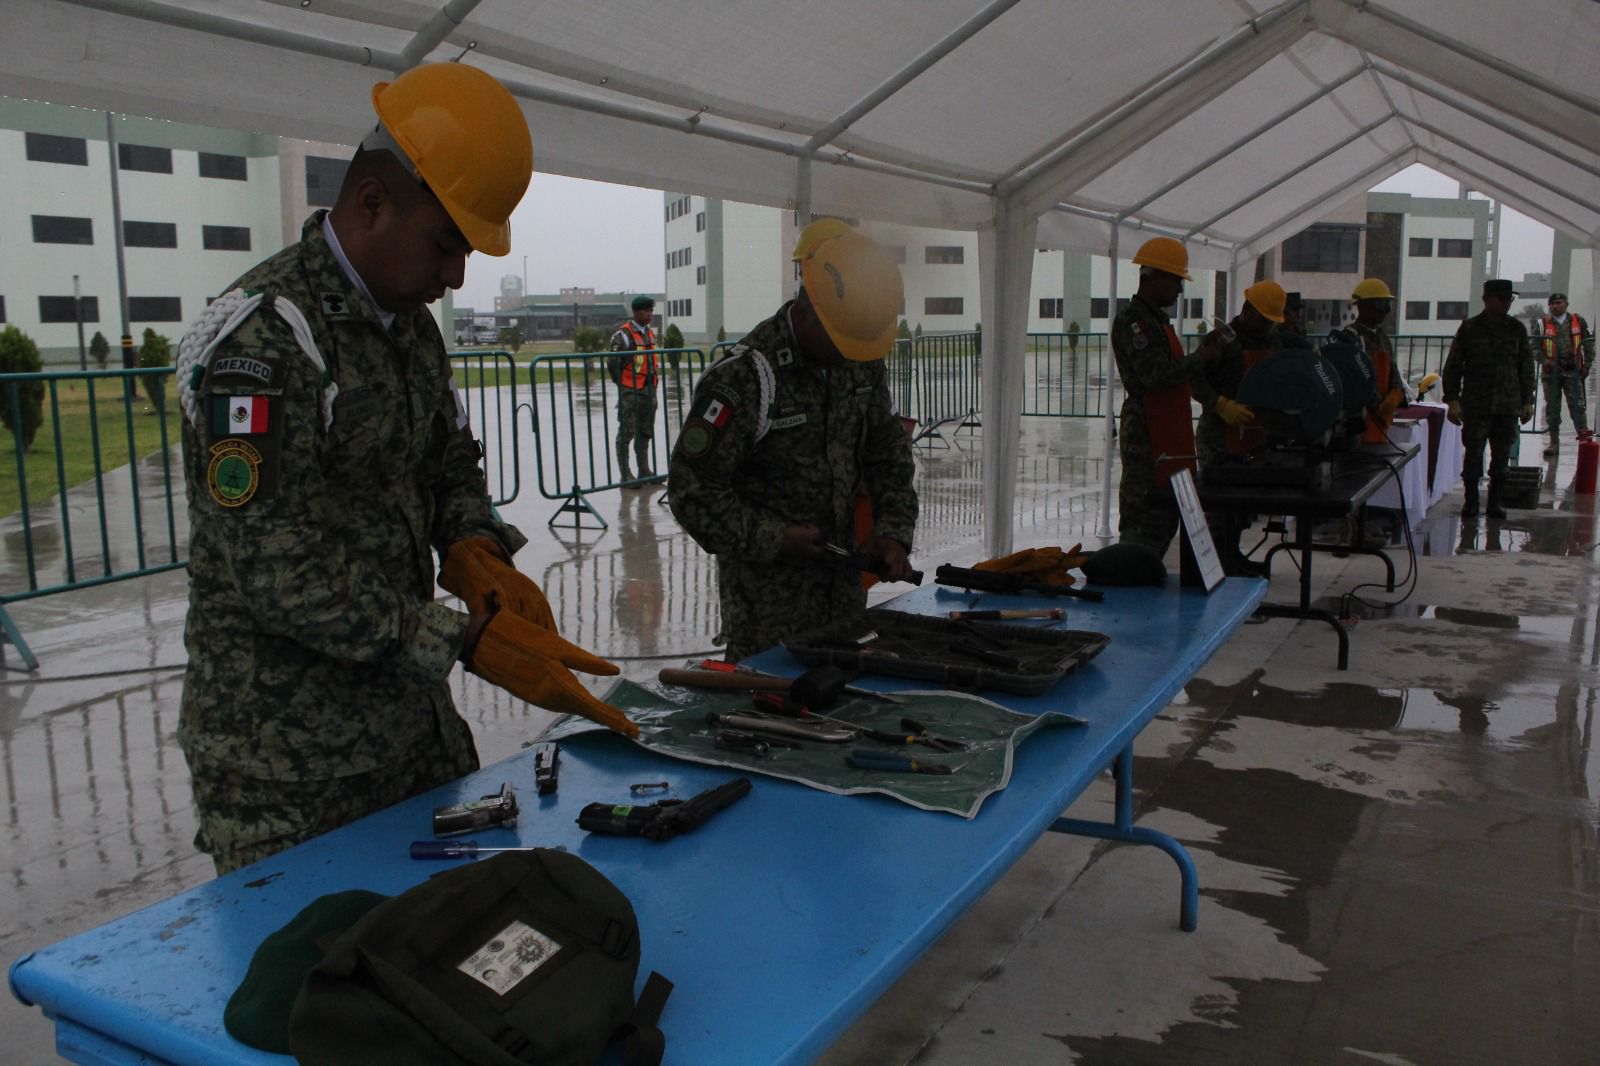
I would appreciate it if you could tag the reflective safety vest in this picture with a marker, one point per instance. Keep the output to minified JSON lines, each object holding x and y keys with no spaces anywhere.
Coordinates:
{"x":1575,"y":324}
{"x":1170,"y":420}
{"x":639,"y":372}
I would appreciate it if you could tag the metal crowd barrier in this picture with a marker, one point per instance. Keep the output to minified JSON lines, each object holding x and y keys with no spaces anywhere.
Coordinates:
{"x":573,"y":410}
{"x":74,"y":509}
{"x":488,"y":384}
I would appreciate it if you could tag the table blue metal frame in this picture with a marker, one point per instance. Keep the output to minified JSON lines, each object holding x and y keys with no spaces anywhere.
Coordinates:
{"x":780,"y":921}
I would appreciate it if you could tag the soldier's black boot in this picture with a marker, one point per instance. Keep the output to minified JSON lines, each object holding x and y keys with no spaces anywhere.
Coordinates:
{"x":1469,"y":509}
{"x":1495,"y":509}
{"x":1554,"y":447}
{"x":624,"y":473}
{"x":645,"y":470}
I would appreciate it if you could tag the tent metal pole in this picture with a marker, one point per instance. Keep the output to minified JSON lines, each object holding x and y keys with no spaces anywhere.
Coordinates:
{"x":238,"y":29}
{"x":1149,"y":227}
{"x":1239,"y":143}
{"x":1454,"y":168}
{"x":436,"y":29}
{"x":1513,"y":168}
{"x":1280,"y":179}
{"x":1554,"y":146}
{"x":909,"y":73}
{"x":1109,"y":425}
{"x":1248,"y":245}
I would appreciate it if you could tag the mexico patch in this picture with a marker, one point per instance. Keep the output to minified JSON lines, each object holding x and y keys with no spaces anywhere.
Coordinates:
{"x":234,"y":473}
{"x":235,"y":415}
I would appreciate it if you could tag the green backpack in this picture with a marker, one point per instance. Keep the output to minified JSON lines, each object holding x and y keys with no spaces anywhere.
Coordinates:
{"x":524,"y":958}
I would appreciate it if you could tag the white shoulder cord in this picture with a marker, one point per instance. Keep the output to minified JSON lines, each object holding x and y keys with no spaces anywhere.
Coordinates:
{"x":765,"y":383}
{"x":218,"y":321}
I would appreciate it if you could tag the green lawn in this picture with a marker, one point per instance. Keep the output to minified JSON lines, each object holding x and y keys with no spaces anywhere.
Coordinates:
{"x":77,"y":440}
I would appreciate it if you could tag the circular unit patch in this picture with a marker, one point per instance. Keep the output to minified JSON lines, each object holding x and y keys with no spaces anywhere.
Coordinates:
{"x":234,"y":473}
{"x":695,"y":440}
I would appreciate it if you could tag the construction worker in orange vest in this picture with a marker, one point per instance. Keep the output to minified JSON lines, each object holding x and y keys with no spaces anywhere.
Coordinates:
{"x":635,"y":375}
{"x":1568,"y":353}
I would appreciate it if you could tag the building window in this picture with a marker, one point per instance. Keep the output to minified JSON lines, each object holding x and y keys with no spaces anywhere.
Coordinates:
{"x":1421,"y":247}
{"x":678,"y":208}
{"x":59,"y":309}
{"x":942,"y":305}
{"x":681,"y":258}
{"x":1455,"y":248}
{"x":700,"y":222}
{"x":699,"y":275}
{"x":1197,"y":307}
{"x":323,"y":178}
{"x":946,"y":254}
{"x":1050,"y":307}
{"x":1098,"y":306}
{"x":150,"y":235}
{"x":1417,"y":310}
{"x":2,"y":309}
{"x":155,"y":309}
{"x":231,"y":167}
{"x":1324,"y":250}
{"x":1451,"y":309}
{"x":48,"y":148}
{"x":225,"y":238}
{"x":144,"y":157}
{"x":680,"y":308}
{"x":60,"y":229}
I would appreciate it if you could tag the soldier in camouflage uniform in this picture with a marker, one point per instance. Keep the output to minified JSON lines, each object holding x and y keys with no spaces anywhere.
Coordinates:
{"x":326,"y":457}
{"x":1488,"y":385}
{"x":1568,"y":354}
{"x":781,"y":433}
{"x":1156,"y":416}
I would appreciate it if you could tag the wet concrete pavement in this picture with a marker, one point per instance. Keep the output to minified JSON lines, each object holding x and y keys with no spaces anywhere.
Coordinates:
{"x":1397,"y":862}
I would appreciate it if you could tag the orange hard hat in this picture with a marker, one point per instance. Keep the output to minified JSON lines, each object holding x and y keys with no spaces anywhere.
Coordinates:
{"x":854,"y":285}
{"x":1166,"y":255}
{"x":1267,"y":297}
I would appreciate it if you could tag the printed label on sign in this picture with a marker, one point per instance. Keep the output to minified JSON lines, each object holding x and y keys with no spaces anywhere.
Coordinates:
{"x":509,"y":957}
{"x":1194,"y":524}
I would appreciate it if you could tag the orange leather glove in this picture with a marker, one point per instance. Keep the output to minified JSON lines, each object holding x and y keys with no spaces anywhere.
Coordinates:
{"x":1049,"y":564}
{"x":1233,"y":412}
{"x":1388,"y":405}
{"x":533,"y":664}
{"x":473,"y":569}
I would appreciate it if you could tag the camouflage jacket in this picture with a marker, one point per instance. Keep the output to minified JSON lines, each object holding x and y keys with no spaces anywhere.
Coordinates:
{"x":1221,"y":377}
{"x":1145,"y":364}
{"x":1490,"y":366}
{"x":735,"y":488}
{"x":315,"y":647}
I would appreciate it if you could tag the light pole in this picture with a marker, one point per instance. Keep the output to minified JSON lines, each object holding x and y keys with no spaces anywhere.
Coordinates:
{"x":524,"y":277}
{"x":77,"y":314}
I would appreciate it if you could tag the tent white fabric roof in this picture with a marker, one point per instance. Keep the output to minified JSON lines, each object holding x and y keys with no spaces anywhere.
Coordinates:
{"x":1229,"y":123}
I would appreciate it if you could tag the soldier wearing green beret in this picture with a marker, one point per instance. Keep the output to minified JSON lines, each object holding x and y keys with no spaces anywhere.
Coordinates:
{"x":636,"y":372}
{"x":1488,"y":385}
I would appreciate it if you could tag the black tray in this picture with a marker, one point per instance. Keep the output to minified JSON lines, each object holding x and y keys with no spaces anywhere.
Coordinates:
{"x":950,"y":653}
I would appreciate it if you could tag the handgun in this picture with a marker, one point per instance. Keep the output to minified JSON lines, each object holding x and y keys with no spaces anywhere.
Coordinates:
{"x":546,"y":766}
{"x":495,"y":809}
{"x":663,"y":819}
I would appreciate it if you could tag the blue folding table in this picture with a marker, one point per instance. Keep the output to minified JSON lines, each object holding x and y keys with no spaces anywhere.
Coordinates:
{"x":780,"y":920}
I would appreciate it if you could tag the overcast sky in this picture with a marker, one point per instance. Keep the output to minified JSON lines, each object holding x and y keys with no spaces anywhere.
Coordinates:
{"x":589,"y":234}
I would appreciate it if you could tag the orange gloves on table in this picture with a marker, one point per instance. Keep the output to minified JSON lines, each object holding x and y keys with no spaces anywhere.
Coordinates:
{"x":1049,"y":564}
{"x":520,"y":650}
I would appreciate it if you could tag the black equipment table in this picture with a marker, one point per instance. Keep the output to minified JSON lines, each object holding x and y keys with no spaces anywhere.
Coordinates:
{"x":1357,"y":475}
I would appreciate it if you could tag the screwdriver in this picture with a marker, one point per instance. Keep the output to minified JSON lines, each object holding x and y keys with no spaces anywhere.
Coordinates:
{"x":453,"y":849}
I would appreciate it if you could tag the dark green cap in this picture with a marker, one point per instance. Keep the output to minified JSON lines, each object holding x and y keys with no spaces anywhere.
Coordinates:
{"x":640,"y":302}
{"x":1498,"y":287}
{"x":258,"y":1012}
{"x":1125,"y":564}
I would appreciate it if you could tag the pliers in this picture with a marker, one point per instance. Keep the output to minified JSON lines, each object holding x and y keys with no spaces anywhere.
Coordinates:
{"x":920,"y":735}
{"x":895,"y":762}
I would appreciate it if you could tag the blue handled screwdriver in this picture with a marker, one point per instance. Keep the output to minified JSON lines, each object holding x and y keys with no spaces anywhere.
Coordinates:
{"x":452,"y":849}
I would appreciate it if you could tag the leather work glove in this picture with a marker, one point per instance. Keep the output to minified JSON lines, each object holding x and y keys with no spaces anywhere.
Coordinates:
{"x":533,"y":664}
{"x":1527,"y":413}
{"x":1047,"y":564}
{"x":1233,"y":412}
{"x":1388,"y":405}
{"x":474,"y":569}
{"x":1454,"y":412}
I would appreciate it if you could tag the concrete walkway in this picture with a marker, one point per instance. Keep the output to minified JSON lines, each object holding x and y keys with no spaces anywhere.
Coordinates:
{"x":1398,"y":862}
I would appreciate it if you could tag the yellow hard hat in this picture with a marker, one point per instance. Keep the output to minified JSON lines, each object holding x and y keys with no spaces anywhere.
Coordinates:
{"x":855,"y":287}
{"x":1371,"y":289}
{"x":1267,"y":297}
{"x":818,"y":229}
{"x":1164,"y":254}
{"x":463,"y":134}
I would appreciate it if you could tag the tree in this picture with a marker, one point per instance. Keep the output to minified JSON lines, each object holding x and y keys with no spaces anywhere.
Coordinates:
{"x":155,"y":351}
{"x":673,"y":338}
{"x":511,"y":337}
{"x":100,"y":348}
{"x":917,"y":333}
{"x":19,"y":355}
{"x":589,"y":339}
{"x":902,"y":331}
{"x":722,"y":334}
{"x":1073,"y":329}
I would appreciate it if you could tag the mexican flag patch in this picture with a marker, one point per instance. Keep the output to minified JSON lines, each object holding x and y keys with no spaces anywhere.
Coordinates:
{"x":717,"y":413}
{"x":232,"y":416}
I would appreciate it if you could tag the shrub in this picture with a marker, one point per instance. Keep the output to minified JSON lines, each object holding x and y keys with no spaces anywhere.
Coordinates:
{"x":19,"y":355}
{"x":673,"y":338}
{"x":589,"y":339}
{"x":155,"y":351}
{"x":100,"y":348}
{"x":903,"y":331}
{"x":722,"y":334}
{"x":511,"y":337}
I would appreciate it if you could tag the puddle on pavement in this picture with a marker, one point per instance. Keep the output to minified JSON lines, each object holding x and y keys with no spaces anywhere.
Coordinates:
{"x":1461,"y":616}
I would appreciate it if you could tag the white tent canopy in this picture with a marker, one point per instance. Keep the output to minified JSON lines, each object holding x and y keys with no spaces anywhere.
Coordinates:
{"x":1087,"y":125}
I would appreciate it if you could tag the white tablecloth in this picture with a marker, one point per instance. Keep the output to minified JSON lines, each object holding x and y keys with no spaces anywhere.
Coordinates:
{"x":1447,"y":469}
{"x":1414,"y":475}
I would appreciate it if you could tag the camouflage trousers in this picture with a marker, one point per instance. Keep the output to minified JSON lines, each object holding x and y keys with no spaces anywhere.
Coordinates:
{"x":763,"y":603}
{"x":636,"y":422}
{"x":243,"y":819}
{"x":1499,"y":430}
{"x":1147,"y":513}
{"x":1569,"y":383}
